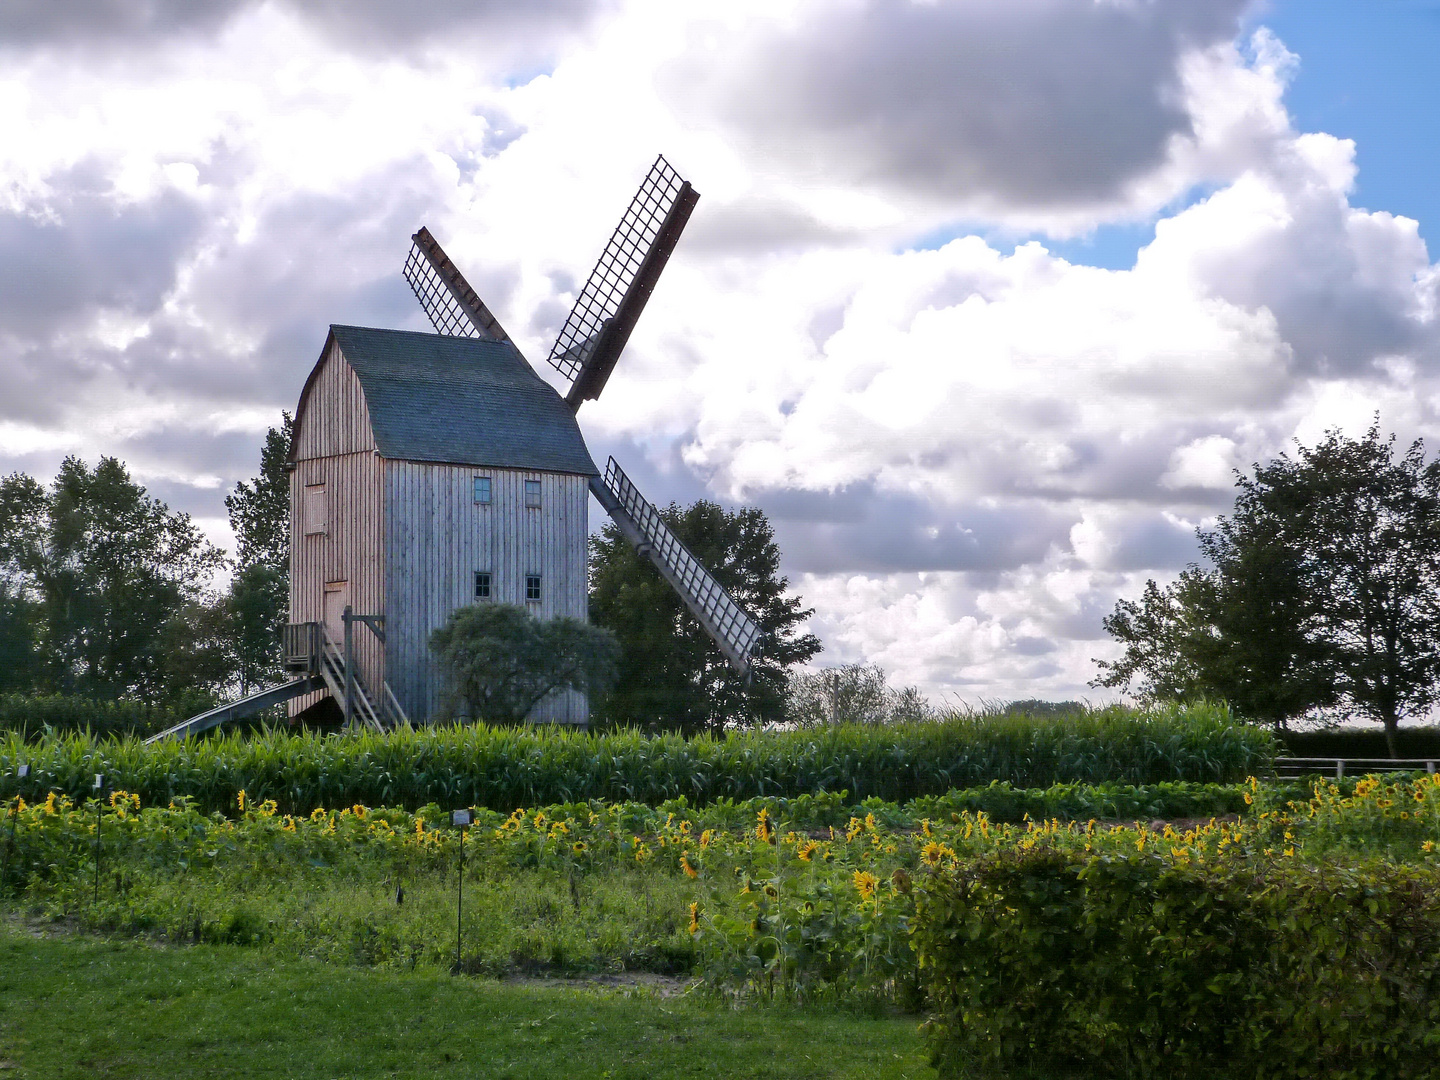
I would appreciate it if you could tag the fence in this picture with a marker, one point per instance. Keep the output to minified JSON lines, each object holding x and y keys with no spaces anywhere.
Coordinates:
{"x":1338,"y":767}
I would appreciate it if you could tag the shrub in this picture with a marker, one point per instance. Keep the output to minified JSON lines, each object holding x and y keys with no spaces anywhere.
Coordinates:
{"x":507,"y":767}
{"x":1355,"y":742}
{"x":1044,"y":963}
{"x":31,"y":717}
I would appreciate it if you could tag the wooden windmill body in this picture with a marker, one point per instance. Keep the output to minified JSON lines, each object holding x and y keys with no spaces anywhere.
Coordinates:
{"x":429,"y":471}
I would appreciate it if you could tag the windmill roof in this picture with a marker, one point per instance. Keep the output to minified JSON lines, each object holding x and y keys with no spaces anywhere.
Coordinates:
{"x":464,"y":401}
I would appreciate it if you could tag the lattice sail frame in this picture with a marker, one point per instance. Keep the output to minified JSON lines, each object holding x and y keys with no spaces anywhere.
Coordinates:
{"x":723,"y":618}
{"x":604,"y":314}
{"x":454,"y":308}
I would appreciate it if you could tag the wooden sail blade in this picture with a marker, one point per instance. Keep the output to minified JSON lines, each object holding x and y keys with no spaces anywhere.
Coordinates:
{"x":599,"y":325}
{"x":732,"y":629}
{"x":453,"y":306}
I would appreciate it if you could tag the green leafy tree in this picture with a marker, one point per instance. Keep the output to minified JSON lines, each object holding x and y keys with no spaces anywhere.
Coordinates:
{"x":500,"y":661}
{"x":1364,"y":525}
{"x":22,"y":522}
{"x":851,"y":694}
{"x":19,"y":658}
{"x":108,"y":569}
{"x":1323,"y":591}
{"x":259,"y":599}
{"x":672,"y":677}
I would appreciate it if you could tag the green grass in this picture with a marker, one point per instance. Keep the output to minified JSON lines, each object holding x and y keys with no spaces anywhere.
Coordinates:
{"x":73,"y":1007}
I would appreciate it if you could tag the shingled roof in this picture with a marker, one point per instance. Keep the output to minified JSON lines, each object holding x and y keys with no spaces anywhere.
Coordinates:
{"x":464,"y":401}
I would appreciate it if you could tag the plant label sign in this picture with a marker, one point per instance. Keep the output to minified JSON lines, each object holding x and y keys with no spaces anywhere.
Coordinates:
{"x":461,"y":817}
{"x":99,"y":779}
{"x":23,"y":771}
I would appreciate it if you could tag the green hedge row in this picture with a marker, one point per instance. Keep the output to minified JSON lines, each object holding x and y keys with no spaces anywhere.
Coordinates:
{"x":502,"y":768}
{"x":35,"y":717}
{"x":1043,"y":964}
{"x":1001,"y":802}
{"x":1349,"y":742}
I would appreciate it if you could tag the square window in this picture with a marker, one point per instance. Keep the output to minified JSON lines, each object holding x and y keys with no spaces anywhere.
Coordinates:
{"x":532,"y":493}
{"x":482,"y":585}
{"x":532,"y":586}
{"x":317,"y":512}
{"x":482,"y":489}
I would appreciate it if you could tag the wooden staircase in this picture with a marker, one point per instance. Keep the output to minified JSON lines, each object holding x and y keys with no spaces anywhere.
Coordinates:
{"x":317,"y":664}
{"x":309,"y":649}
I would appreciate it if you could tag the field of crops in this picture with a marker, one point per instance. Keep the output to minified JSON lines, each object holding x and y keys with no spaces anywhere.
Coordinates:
{"x":502,"y":768}
{"x":1208,"y":918}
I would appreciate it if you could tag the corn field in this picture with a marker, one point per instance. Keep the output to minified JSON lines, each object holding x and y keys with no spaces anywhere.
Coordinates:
{"x":503,"y":768}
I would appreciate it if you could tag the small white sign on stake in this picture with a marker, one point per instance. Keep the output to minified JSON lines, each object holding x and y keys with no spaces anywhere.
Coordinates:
{"x":99,"y":779}
{"x":460,"y":817}
{"x":23,"y":771}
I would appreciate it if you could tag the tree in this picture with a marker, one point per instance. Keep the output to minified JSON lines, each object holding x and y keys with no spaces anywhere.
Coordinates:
{"x":500,"y":661}
{"x":1323,"y":590}
{"x":1365,"y":528}
{"x":1159,"y":633}
{"x":851,"y":694}
{"x":22,"y":518}
{"x":672,"y":677}
{"x":107,"y":568}
{"x":259,"y":598}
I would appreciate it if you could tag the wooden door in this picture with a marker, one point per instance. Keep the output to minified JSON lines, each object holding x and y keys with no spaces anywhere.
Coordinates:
{"x":337,"y":596}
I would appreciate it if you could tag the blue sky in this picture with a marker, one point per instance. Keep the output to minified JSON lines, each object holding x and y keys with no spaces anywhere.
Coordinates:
{"x":1369,"y":71}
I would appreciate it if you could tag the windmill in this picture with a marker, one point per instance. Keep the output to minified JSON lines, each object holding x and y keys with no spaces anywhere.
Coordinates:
{"x":421,"y":459}
{"x":585,"y":354}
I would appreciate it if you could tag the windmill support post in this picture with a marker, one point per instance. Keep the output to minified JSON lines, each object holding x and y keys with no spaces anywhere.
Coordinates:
{"x":349,"y":703}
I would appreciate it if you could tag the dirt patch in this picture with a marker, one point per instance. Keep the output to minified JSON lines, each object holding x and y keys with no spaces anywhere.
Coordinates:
{"x":664,"y":986}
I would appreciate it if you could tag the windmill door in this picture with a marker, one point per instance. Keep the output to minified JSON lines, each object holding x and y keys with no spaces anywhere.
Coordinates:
{"x":337,"y":596}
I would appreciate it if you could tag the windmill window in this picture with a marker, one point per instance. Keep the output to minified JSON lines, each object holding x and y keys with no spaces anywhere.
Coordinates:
{"x":482,"y":489}
{"x":316,"y":510}
{"x":532,"y":493}
{"x":532,"y":586}
{"x":482,"y":585}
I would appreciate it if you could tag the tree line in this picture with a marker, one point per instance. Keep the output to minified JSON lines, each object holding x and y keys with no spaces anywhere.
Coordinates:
{"x":108,"y":594}
{"x":1319,"y":595}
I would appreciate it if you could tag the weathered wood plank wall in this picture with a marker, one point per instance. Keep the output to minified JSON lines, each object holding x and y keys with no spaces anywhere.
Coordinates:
{"x":335,"y":447}
{"x":438,"y":536}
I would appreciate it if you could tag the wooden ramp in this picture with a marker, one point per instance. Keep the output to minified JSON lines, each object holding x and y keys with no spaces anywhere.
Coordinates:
{"x":246,"y":706}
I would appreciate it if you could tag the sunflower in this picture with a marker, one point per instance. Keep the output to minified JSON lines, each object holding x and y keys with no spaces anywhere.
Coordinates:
{"x":866,"y":884}
{"x":764,"y":829}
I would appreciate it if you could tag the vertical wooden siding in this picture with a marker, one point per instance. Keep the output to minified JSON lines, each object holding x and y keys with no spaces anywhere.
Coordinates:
{"x":335,"y":447}
{"x":437,"y":537}
{"x":336,"y":419}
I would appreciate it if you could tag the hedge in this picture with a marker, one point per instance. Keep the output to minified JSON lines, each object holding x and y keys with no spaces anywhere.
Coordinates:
{"x":35,"y":717}
{"x":1351,"y":742}
{"x":502,"y":768}
{"x":1047,"y":964}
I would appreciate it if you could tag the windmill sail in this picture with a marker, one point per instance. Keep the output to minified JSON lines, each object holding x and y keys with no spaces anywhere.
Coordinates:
{"x":453,"y":306}
{"x":639,"y":522}
{"x":599,"y":324}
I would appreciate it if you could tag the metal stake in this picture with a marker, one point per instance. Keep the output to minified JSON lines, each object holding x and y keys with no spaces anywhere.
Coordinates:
{"x":99,"y":780}
{"x":349,"y":619}
{"x":461,"y":818}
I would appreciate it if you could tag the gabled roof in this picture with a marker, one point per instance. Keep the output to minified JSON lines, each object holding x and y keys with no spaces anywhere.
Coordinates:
{"x":463,"y":401}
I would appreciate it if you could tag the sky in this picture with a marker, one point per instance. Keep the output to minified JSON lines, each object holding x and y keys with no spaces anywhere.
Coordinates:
{"x":983,"y":301}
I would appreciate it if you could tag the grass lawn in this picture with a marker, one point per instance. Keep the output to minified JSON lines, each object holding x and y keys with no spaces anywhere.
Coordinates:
{"x":74,"y":1007}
